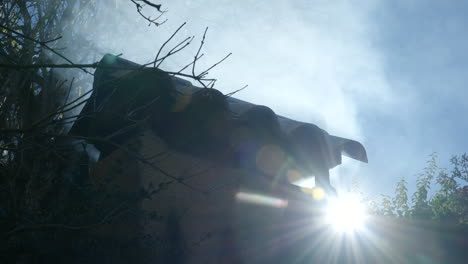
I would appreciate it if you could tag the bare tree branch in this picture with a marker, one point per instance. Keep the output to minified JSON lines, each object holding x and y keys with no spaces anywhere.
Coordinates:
{"x":152,"y":21}
{"x":158,"y":7}
{"x":176,"y":49}
{"x":205,"y":72}
{"x":43,"y":44}
{"x":196,"y":58}
{"x":132,"y":154}
{"x":111,"y":215}
{"x":188,"y":65}
{"x":236,"y":91}
{"x":167,"y":41}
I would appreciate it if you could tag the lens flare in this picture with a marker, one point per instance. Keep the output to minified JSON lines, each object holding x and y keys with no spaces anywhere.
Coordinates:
{"x":346,"y":214}
{"x":260,"y":199}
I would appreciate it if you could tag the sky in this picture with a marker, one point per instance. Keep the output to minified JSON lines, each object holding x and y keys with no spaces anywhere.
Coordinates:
{"x":389,"y":74}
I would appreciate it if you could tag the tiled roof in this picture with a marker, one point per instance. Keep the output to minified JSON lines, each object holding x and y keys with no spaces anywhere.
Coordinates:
{"x":205,"y":123}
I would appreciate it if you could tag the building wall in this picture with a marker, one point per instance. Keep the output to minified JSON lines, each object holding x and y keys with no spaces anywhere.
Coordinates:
{"x":197,"y":212}
{"x":205,"y":221}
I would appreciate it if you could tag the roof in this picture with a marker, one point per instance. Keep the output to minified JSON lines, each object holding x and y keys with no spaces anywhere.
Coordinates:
{"x":204,"y":122}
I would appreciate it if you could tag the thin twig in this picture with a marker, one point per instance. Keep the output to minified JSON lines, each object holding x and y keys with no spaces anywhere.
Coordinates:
{"x":112,"y":213}
{"x":236,"y":91}
{"x":157,"y":6}
{"x":96,"y":65}
{"x":131,"y":154}
{"x":167,"y":41}
{"x":196,"y":57}
{"x":49,"y":65}
{"x":151,"y":21}
{"x":188,"y":65}
{"x":44,"y":44}
{"x":62,"y":109}
{"x":176,"y":49}
{"x":205,"y":72}
{"x":52,"y":40}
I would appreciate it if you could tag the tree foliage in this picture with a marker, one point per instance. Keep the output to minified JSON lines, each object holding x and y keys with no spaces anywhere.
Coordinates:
{"x":449,"y":199}
{"x":45,"y":197}
{"x":41,"y":198}
{"x":46,"y":63}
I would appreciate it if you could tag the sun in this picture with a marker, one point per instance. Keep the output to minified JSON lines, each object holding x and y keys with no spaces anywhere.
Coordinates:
{"x":346,"y":214}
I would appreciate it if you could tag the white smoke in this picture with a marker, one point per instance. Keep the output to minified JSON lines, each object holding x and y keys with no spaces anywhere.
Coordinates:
{"x":312,"y":61}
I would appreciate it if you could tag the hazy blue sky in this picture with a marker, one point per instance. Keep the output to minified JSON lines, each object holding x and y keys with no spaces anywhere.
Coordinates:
{"x":391,"y":74}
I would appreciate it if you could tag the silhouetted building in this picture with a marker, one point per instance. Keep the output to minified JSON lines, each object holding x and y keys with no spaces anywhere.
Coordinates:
{"x":211,"y":175}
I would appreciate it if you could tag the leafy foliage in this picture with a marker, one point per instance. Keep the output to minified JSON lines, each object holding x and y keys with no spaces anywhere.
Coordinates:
{"x":449,"y":203}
